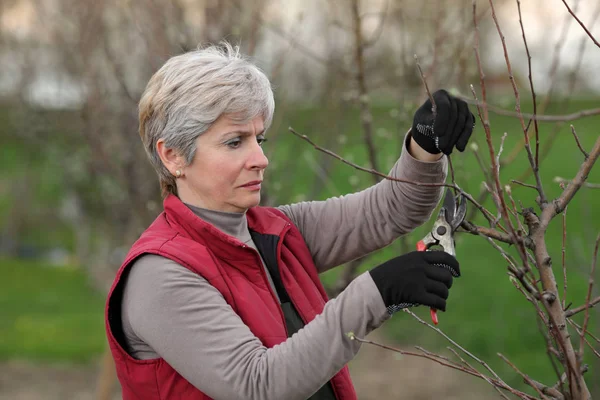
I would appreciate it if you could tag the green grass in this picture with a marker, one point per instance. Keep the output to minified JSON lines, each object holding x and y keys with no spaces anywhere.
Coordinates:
{"x":48,"y":313}
{"x":52,"y":314}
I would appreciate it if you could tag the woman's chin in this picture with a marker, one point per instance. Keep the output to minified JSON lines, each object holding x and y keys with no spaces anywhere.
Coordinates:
{"x":249,"y":202}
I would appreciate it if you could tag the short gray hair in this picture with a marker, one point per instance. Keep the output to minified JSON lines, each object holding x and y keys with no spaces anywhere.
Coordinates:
{"x":190,"y":92}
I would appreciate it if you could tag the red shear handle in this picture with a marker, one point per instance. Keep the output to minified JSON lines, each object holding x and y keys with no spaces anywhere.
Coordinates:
{"x":421,"y":246}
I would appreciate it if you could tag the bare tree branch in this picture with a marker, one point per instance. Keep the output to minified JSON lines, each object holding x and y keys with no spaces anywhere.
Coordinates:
{"x":579,"y":309}
{"x":589,"y":185}
{"x":581,"y":23}
{"x":445,"y":362}
{"x":538,"y":117}
{"x":586,"y":317}
{"x":532,"y":162}
{"x":535,"y":122}
{"x":585,"y":154}
{"x":525,"y":377}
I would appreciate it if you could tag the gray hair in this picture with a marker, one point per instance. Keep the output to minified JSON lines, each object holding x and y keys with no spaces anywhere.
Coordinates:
{"x":190,"y":92}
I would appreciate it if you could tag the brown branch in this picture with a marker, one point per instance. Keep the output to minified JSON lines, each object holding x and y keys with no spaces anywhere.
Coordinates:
{"x":433,"y":105}
{"x":535,"y":122}
{"x":578,"y":327}
{"x":366,"y":118}
{"x":574,"y":186}
{"x":539,"y":117}
{"x":523,"y":184}
{"x":483,"y":115}
{"x":579,"y":331}
{"x":550,"y":139}
{"x":581,"y":23}
{"x":525,"y":377}
{"x":563,"y":260}
{"x":521,"y":232}
{"x":494,"y":234}
{"x":588,"y":185}
{"x":573,"y":311}
{"x":483,"y":363}
{"x":585,"y":154}
{"x":538,"y":227}
{"x":532,"y":162}
{"x":445,"y":362}
{"x":468,"y":196}
{"x":485,"y":378}
{"x":589,"y":296}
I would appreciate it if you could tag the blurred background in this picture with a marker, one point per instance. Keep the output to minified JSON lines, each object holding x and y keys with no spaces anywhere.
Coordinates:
{"x":76,"y":189}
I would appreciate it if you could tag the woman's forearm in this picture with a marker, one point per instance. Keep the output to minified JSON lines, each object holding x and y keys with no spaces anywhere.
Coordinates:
{"x":341,"y":229}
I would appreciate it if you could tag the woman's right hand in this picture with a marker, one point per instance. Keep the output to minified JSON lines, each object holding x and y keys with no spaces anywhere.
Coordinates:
{"x":416,"y":278}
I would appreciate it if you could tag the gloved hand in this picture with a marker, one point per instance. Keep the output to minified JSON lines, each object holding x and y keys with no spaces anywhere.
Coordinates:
{"x":452,"y":125}
{"x":415,"y":278}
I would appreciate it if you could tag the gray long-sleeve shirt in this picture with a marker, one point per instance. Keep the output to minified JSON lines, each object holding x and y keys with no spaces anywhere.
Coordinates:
{"x":171,"y":312}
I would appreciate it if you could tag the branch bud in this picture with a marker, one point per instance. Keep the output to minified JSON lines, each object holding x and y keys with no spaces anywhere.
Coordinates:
{"x":474,"y":147}
{"x":549,"y":297}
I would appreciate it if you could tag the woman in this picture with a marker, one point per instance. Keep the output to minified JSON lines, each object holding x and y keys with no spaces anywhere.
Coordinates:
{"x":220,"y":298}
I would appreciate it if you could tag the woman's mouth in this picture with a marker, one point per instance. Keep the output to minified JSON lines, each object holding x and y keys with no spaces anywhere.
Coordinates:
{"x":254,"y":185}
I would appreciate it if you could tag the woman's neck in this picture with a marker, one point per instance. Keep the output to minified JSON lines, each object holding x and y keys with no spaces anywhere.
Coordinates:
{"x":233,"y":224}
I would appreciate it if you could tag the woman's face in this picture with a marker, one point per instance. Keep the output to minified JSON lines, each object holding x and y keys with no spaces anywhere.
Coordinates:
{"x":227,"y":170}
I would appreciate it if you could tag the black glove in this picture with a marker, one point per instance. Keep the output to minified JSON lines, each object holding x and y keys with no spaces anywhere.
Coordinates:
{"x":419,"y":277}
{"x":452,"y":126}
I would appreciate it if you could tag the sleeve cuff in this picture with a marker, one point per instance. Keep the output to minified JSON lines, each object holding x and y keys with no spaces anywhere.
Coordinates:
{"x":427,"y":171}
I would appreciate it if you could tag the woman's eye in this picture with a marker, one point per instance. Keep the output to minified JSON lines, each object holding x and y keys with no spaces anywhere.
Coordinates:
{"x":234,"y":144}
{"x":261,"y":140}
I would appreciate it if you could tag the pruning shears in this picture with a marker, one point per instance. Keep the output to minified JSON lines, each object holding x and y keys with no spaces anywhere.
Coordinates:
{"x":451,"y":215}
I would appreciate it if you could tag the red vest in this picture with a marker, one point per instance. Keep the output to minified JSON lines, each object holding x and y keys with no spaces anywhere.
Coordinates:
{"x":236,"y":271}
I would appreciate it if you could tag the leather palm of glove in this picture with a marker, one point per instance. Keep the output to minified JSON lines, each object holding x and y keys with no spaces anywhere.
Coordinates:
{"x":450,"y":127}
{"x":416,"y":278}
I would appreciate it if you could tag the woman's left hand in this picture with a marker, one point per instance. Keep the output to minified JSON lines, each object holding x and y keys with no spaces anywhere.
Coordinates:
{"x":450,"y":127}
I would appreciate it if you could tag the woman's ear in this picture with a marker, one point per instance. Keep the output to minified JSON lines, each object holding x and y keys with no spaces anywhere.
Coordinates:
{"x":170,"y":158}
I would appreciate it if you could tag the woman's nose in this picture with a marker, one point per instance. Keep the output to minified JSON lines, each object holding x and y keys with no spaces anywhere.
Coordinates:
{"x":257,"y":159}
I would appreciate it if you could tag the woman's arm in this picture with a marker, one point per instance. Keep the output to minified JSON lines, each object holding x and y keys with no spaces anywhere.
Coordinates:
{"x":187,"y":322}
{"x":340,"y":229}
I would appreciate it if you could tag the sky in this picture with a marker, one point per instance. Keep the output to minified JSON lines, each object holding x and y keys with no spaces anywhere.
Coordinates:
{"x":544,"y":20}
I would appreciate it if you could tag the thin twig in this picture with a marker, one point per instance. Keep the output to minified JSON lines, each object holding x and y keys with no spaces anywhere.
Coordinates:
{"x":588,"y":333}
{"x":433,"y":105}
{"x":474,"y":370}
{"x":521,"y":232}
{"x":564,"y":251}
{"x":581,"y":23}
{"x":588,"y":185}
{"x":494,"y":234}
{"x":539,"y":117}
{"x":579,"y":331}
{"x":550,"y":212}
{"x":483,"y":115}
{"x":589,"y":296}
{"x":535,"y":122}
{"x":445,"y":362}
{"x":369,"y":170}
{"x":584,"y":307}
{"x":525,"y":377}
{"x":468,"y":196}
{"x":366,"y":118}
{"x":523,"y":184}
{"x":532,"y":162}
{"x":483,"y":363}
{"x":585,"y":154}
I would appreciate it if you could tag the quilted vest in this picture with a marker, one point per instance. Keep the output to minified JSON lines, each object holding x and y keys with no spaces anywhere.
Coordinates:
{"x":236,"y":271}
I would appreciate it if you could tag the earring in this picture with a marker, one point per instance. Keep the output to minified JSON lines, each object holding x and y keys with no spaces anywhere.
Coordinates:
{"x":178,"y":174}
